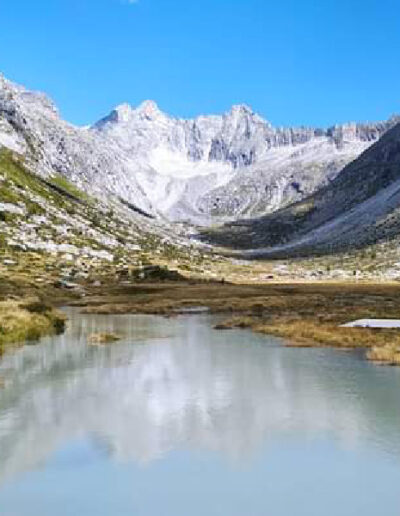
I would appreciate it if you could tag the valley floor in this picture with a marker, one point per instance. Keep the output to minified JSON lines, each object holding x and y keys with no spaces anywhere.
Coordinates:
{"x":306,"y":310}
{"x":304,"y":314}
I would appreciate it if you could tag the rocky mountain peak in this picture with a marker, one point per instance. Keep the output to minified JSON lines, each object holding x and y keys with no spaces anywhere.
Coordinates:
{"x":241,"y":109}
{"x":126,"y":114}
{"x":16,"y":98}
{"x":217,"y":165}
{"x":240,"y":112}
{"x":122,"y":113}
{"x":149,"y":109}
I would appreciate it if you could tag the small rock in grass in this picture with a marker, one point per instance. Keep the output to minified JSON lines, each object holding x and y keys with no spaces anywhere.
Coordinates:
{"x":67,"y":285}
{"x":9,"y":262}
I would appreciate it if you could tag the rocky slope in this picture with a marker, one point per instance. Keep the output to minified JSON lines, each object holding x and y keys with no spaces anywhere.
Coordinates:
{"x":204,"y":170}
{"x":49,"y":224}
{"x":359,"y":208}
{"x":237,"y":164}
{"x":31,"y":126}
{"x":121,"y":185}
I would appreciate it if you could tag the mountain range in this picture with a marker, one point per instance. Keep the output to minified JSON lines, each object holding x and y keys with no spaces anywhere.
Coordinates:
{"x":272,"y":191}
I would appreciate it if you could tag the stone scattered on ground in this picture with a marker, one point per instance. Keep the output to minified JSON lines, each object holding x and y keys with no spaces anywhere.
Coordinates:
{"x":9,"y":262}
{"x":69,"y":285}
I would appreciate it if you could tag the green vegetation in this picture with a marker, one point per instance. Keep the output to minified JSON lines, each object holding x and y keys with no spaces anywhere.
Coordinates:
{"x":65,"y":185}
{"x":19,"y":184}
{"x":18,"y":180}
{"x":7,"y":195}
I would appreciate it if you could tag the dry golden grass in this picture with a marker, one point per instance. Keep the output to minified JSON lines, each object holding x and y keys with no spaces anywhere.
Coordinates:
{"x":27,"y":320}
{"x":335,"y":303}
{"x":387,"y":354}
{"x":34,"y":275}
{"x":235,"y":322}
{"x":313,"y":333}
{"x":303,"y":314}
{"x":102,"y":338}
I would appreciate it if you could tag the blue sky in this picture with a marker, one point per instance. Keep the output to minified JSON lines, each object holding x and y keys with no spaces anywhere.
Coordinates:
{"x":311,"y":62}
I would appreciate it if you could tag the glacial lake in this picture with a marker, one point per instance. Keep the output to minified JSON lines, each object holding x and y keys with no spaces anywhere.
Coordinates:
{"x":179,"y":419}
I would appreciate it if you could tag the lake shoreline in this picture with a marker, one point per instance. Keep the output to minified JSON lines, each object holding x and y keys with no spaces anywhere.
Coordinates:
{"x":304,"y":314}
{"x":307,"y":314}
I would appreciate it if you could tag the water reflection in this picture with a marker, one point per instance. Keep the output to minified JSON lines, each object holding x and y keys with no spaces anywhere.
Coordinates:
{"x":178,"y":384}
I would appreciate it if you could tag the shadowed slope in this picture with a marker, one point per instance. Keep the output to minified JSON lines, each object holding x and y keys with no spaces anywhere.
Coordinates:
{"x":359,"y":207}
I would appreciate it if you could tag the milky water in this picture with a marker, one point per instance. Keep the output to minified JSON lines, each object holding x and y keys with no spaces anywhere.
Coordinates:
{"x":179,"y":419}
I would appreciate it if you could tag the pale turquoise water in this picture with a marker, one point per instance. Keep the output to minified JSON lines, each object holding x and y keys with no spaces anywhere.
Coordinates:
{"x":179,"y":419}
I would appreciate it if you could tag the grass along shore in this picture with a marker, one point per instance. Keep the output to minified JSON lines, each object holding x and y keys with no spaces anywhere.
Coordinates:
{"x":27,"y":320}
{"x":304,"y":314}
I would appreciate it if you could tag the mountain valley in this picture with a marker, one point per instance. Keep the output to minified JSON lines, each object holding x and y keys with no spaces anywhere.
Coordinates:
{"x":137,"y":186}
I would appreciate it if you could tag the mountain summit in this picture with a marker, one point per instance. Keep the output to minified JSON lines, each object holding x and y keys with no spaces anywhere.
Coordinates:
{"x":211,"y":168}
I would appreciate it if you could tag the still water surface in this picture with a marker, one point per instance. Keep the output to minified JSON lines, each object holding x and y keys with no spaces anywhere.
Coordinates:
{"x":178,"y":419}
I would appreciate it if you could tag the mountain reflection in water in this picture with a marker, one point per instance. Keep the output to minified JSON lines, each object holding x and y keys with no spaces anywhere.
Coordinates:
{"x":177,"y":383}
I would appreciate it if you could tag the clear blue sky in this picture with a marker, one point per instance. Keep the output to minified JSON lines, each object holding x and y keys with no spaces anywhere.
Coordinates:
{"x":311,"y":62}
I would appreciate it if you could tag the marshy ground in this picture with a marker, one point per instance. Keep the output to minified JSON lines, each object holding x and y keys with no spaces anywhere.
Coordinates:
{"x":304,"y":314}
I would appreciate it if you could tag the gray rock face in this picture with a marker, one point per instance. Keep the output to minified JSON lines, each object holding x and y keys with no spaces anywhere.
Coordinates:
{"x":30,"y":125}
{"x":212,"y":168}
{"x":360,"y":207}
{"x":233,"y":165}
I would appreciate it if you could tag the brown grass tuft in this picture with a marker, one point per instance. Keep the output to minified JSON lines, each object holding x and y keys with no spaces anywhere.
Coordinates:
{"x":28,"y":320}
{"x":303,"y":314}
{"x":388,"y":354}
{"x":103,"y":338}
